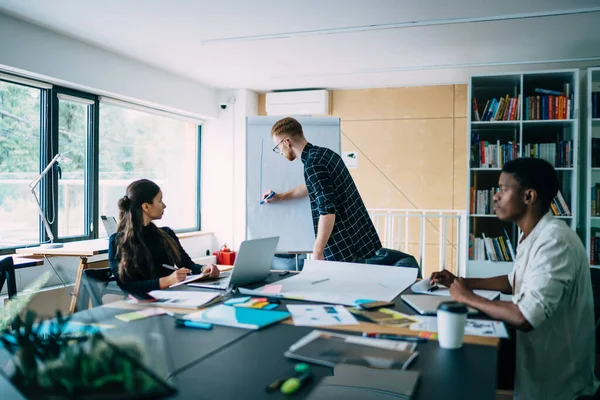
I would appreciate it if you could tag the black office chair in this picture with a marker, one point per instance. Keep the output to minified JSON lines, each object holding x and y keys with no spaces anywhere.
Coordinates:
{"x":7,"y":274}
{"x":96,"y":282}
{"x":394,"y":258}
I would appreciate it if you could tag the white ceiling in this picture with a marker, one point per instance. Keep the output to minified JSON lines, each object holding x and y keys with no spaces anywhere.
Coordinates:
{"x":285,"y":44}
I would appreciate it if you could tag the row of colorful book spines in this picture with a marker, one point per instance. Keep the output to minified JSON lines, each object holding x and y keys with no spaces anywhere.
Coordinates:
{"x":482,"y":201}
{"x":486,"y":154}
{"x":548,"y":107}
{"x":595,"y":197}
{"x":498,"y":245}
{"x":504,"y":109}
{"x":563,"y":158}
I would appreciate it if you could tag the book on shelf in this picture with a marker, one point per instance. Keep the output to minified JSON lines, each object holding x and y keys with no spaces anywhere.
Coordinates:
{"x":560,"y":154}
{"x":485,"y":154}
{"x":548,"y":104}
{"x":595,"y":211}
{"x":595,"y":152}
{"x":491,"y":249}
{"x":502,"y":109}
{"x":559,"y":206}
{"x":595,"y":247}
{"x":596,"y":104}
{"x":482,"y":201}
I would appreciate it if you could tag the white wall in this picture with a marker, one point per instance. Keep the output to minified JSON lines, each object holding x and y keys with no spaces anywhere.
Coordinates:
{"x":224,"y":168}
{"x":29,"y":49}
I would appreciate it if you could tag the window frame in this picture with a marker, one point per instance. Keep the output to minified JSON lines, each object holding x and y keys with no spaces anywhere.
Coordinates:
{"x":44,"y":133}
{"x":90,"y":178}
{"x":49,"y":142}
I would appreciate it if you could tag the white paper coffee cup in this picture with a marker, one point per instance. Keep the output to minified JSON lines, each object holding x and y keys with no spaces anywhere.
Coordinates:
{"x":451,"y":317}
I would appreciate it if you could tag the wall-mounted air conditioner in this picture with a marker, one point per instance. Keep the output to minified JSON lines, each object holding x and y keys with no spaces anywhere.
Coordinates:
{"x":303,"y":102}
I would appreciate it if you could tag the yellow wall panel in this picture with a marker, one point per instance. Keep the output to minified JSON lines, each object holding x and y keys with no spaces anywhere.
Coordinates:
{"x":394,"y":103}
{"x":414,"y":155}
{"x":460,"y":101}
{"x":262,"y":105}
{"x":460,"y":163}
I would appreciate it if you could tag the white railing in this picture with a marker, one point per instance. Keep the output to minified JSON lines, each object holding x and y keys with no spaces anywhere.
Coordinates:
{"x":415,"y":231}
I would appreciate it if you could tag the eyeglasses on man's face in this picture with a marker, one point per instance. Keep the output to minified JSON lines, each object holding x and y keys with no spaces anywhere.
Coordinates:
{"x":276,"y":148}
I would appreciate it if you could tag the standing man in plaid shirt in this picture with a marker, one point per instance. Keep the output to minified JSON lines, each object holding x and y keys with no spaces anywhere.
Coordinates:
{"x":344,"y":231}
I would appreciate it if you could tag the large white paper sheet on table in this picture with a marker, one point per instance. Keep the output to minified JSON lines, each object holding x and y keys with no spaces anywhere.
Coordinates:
{"x":423,"y":285}
{"x":342,"y":283}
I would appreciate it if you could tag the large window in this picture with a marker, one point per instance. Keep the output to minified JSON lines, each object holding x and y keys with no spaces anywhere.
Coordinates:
{"x":101,"y":147}
{"x":73,"y":132}
{"x":20,"y":137}
{"x":135,"y":144}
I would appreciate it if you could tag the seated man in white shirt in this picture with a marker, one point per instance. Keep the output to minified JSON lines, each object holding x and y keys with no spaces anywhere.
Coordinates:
{"x":552,"y":303}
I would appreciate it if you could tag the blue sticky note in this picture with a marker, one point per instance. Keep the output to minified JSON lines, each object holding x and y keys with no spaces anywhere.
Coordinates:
{"x":236,"y":300}
{"x":270,"y":306}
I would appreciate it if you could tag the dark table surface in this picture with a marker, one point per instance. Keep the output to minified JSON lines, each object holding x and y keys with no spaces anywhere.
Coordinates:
{"x":231,"y":363}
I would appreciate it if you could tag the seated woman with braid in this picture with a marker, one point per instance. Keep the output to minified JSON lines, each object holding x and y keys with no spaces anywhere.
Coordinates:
{"x":139,"y":249}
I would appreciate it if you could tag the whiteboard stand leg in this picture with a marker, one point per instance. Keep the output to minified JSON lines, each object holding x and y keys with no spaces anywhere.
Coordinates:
{"x":297,"y":263}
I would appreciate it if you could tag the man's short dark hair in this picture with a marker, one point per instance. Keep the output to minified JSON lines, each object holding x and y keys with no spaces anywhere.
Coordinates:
{"x":536,"y":174}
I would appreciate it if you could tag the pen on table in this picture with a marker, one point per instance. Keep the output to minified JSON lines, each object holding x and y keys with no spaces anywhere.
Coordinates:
{"x":319,"y":281}
{"x":268,"y":197}
{"x":394,"y":337}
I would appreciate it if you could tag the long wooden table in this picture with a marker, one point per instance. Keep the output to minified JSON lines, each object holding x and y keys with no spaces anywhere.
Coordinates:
{"x":83,"y":250}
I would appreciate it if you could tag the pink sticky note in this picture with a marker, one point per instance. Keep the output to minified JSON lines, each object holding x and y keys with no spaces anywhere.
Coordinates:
{"x":272,"y":289}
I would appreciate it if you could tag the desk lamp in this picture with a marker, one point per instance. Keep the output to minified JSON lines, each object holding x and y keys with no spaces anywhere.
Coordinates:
{"x":33,"y":185}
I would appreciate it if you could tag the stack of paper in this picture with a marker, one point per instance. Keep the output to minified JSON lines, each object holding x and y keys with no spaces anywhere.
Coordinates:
{"x":187,"y":299}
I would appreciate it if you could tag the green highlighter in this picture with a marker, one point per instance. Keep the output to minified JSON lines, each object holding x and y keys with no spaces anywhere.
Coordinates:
{"x":298,"y":370}
{"x":294,"y":384}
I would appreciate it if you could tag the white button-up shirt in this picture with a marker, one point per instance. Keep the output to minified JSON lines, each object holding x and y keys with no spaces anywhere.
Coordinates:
{"x":552,"y":288}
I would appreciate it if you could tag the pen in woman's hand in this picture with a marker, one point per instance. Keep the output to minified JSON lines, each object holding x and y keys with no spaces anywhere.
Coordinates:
{"x":171,"y":267}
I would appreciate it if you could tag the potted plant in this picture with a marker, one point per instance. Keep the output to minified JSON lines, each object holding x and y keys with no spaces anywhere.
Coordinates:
{"x":57,"y":365}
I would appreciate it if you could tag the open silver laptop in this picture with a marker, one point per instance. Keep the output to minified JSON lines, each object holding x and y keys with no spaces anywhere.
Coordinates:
{"x":110,"y":224}
{"x":426,"y":304}
{"x":251,"y":265}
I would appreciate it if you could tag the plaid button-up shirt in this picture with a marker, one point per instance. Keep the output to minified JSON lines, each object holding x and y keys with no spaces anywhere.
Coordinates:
{"x":331,"y":190}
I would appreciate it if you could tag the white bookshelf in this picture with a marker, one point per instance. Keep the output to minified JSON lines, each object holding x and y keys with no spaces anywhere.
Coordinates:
{"x":591,"y":170}
{"x":521,"y":132}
